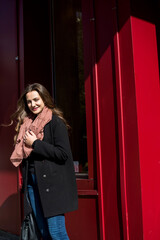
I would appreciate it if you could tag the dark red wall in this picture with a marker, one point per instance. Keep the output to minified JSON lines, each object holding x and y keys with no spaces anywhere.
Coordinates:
{"x":9,"y":86}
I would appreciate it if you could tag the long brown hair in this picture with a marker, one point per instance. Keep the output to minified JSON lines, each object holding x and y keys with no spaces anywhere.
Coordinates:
{"x":23,"y":110}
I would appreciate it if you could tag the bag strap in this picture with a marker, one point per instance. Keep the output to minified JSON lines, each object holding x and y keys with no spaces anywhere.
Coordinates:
{"x":27,"y":204}
{"x":26,"y":176}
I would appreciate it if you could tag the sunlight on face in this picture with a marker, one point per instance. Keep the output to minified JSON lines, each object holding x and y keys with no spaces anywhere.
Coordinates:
{"x":34,"y":102}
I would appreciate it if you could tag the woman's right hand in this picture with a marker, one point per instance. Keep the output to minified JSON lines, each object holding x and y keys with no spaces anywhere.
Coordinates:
{"x":29,"y":138}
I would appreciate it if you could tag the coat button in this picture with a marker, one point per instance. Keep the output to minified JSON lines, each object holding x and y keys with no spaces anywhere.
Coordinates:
{"x":44,"y":176}
{"x":47,"y":190}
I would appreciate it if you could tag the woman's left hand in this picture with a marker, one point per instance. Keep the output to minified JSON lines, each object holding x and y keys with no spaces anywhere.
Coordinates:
{"x":29,"y":138}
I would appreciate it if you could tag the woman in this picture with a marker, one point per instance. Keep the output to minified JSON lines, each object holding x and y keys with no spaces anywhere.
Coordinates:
{"x":42,"y":142}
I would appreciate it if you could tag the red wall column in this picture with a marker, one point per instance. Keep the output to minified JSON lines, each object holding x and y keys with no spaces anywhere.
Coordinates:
{"x":148,"y":119}
{"x":138,"y":101}
{"x":106,"y":123}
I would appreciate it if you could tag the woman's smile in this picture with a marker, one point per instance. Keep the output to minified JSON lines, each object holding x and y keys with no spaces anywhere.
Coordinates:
{"x":35,"y":108}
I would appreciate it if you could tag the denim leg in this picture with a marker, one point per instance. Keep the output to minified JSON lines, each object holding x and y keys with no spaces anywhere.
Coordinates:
{"x":37,"y":209}
{"x":57,"y":229}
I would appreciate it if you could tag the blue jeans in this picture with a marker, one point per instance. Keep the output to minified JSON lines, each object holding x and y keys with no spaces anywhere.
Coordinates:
{"x":52,"y":227}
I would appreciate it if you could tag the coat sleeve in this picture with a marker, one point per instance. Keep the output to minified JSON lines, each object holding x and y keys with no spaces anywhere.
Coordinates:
{"x":58,"y":150}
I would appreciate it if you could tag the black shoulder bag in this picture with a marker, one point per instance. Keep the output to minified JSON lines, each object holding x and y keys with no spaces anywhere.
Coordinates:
{"x":29,"y":229}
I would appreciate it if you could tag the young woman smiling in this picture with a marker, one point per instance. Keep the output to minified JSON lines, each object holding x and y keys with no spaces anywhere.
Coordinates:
{"x":42,"y":144}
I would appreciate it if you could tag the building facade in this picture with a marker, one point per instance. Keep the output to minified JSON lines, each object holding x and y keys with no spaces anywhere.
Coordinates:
{"x":100,"y":61}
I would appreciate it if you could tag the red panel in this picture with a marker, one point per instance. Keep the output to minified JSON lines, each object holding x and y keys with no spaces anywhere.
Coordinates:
{"x":9,"y":205}
{"x":128,"y":132}
{"x":9,"y":202}
{"x":107,"y":158}
{"x":148,"y":115}
{"x":128,"y":135}
{"x":83,"y":224}
{"x":138,"y":111}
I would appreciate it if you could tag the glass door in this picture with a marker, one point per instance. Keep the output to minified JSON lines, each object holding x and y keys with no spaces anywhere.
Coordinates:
{"x":72,"y":88}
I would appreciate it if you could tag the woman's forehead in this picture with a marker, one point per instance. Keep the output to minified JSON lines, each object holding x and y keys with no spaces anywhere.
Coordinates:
{"x":31,"y":95}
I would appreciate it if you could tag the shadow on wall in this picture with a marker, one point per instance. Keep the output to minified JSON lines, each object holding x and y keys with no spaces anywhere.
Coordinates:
{"x":10,"y":215}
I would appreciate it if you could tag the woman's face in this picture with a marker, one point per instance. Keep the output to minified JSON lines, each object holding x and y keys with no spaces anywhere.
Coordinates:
{"x":34,"y":102}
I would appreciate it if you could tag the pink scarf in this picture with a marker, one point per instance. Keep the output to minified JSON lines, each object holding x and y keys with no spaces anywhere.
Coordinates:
{"x":21,"y":150}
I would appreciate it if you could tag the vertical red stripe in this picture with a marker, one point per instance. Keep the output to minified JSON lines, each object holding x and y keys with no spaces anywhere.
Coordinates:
{"x":122,"y":127}
{"x":99,"y":152}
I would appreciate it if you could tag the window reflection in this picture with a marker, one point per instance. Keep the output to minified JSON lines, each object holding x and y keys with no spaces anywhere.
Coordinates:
{"x":69,"y":75}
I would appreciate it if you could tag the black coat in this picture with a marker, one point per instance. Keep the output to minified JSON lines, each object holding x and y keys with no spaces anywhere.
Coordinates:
{"x":54,"y":170}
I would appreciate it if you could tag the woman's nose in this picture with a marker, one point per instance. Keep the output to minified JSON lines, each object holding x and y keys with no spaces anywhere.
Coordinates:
{"x":32,"y":104}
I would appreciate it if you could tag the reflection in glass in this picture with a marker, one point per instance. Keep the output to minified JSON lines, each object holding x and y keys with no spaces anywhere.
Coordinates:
{"x":69,"y":75}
